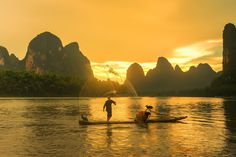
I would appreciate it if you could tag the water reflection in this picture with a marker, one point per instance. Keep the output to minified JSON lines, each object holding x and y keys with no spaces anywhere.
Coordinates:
{"x":134,"y":107}
{"x":197,"y":131}
{"x":109,"y":136}
{"x":50,"y":128}
{"x":230,"y":115}
{"x":48,"y":124}
{"x":84,"y":108}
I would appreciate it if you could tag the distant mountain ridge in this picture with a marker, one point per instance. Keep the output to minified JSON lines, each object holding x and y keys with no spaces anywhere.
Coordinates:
{"x":46,"y":54}
{"x":166,"y":78}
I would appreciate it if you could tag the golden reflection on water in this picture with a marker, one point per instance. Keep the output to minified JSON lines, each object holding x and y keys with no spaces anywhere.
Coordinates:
{"x":50,"y":128}
{"x":203,"y":131}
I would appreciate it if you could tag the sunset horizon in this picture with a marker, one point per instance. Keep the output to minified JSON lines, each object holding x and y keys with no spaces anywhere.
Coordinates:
{"x":117,"y":78}
{"x":109,"y":30}
{"x":181,"y":31}
{"x":209,"y":51}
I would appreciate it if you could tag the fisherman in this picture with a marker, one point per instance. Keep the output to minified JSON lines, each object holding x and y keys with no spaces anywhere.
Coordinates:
{"x":143,"y":116}
{"x":108,"y":107}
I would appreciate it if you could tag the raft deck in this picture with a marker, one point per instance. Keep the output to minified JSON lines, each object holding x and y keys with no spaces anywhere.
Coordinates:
{"x":162,"y":120}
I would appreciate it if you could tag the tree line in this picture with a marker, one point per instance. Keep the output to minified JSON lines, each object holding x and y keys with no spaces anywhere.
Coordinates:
{"x":30,"y":84}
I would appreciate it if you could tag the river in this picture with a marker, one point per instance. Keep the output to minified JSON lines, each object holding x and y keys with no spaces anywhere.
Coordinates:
{"x":42,"y":127}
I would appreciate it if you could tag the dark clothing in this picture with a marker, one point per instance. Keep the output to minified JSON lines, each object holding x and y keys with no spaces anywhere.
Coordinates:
{"x":108,"y":106}
{"x":109,"y":113}
{"x":143,"y":116}
{"x":146,"y":116}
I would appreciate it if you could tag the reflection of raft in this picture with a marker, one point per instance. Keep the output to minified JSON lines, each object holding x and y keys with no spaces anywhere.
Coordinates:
{"x":162,"y":120}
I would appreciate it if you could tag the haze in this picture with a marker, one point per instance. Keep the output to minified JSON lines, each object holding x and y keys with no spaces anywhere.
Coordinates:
{"x":186,"y":32}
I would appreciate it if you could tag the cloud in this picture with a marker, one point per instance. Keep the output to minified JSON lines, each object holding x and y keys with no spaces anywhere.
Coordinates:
{"x":209,"y":51}
{"x":116,"y":70}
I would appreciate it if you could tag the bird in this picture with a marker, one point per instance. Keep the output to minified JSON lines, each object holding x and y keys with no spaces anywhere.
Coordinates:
{"x":84,"y":117}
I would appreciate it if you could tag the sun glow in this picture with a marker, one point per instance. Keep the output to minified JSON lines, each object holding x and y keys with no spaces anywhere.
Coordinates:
{"x":191,"y":55}
{"x":196,"y":50}
{"x":101,"y":70}
{"x":200,"y":52}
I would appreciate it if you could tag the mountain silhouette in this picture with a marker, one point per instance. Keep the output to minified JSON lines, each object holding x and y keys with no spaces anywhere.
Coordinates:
{"x":136,"y":76}
{"x":8,"y":62}
{"x":46,"y":54}
{"x":225,"y":84}
{"x":165,"y":78}
{"x":178,"y":70}
{"x":229,"y":50}
{"x":161,"y":76}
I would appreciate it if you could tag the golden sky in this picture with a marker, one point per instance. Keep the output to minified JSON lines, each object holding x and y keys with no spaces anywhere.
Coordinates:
{"x":185,"y":31}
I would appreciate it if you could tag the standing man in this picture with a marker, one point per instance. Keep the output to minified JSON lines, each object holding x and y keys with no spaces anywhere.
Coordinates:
{"x":108,"y":107}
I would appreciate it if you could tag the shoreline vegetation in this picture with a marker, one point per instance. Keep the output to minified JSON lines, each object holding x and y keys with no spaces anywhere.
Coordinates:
{"x":50,"y":69}
{"x":30,"y":84}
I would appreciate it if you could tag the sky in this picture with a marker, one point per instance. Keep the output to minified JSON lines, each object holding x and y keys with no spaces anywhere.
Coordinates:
{"x":120,"y":32}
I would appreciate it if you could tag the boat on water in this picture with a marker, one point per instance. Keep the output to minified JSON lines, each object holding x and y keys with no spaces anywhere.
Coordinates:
{"x":161,"y":120}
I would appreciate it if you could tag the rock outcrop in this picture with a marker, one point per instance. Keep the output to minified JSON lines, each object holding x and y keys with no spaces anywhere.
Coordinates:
{"x":46,"y":54}
{"x":165,"y":78}
{"x":225,"y":84}
{"x":8,"y":62}
{"x":178,"y":70}
{"x":43,"y":54}
{"x":74,"y":62}
{"x":198,"y":77}
{"x":163,"y":66}
{"x":161,"y":77}
{"x":229,"y":50}
{"x":135,"y":75}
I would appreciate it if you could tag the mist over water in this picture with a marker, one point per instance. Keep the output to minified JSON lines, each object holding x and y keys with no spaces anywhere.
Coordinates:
{"x":49,"y":127}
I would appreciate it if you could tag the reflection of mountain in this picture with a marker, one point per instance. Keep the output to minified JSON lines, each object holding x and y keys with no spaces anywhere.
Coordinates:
{"x":230,"y":119}
{"x":46,"y":54}
{"x":166,"y":78}
{"x":230,"y":112}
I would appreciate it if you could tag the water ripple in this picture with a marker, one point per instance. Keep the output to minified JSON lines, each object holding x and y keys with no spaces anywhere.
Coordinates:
{"x":49,"y":127}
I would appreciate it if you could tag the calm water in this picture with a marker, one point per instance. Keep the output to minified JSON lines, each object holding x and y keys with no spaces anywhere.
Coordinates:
{"x":49,"y":127}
